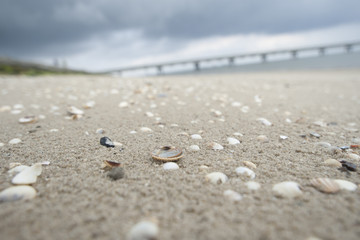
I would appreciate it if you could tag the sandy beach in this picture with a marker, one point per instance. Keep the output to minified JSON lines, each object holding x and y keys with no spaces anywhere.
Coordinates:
{"x":77,"y":200}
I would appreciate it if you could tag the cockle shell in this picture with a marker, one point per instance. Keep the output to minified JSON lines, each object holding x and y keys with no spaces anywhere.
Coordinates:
{"x":167,"y":154}
{"x":325,"y":185}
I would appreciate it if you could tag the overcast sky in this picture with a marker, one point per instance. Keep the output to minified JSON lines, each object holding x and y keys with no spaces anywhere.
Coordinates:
{"x":104,"y":34}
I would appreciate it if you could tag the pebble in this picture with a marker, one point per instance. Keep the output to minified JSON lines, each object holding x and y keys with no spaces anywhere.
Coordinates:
{"x":123,"y":105}
{"x":16,"y":193}
{"x":170,"y":166}
{"x":194,"y":148}
{"x":332,"y":162}
{"x":264,"y":121}
{"x":216,"y":177}
{"x":146,"y":129}
{"x":15,"y":141}
{"x":251,"y":185}
{"x":325,"y":185}
{"x":232,"y":195}
{"x":249,"y":164}
{"x":215,"y":146}
{"x":245,"y":171}
{"x":144,"y":230}
{"x":346,"y":185}
{"x":263,"y":138}
{"x":353,"y":156}
{"x":27,"y":119}
{"x":28,"y":175}
{"x":287,"y":189}
{"x":196,"y":136}
{"x":105,"y":141}
{"x":116,"y":173}
{"x":233,"y":141}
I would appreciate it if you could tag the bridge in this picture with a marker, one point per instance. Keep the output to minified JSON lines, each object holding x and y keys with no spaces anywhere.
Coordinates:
{"x":231,"y":60}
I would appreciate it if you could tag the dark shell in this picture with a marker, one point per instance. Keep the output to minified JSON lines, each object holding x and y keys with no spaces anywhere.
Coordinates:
{"x":167,"y":154}
{"x":105,"y":141}
{"x":348,"y":165}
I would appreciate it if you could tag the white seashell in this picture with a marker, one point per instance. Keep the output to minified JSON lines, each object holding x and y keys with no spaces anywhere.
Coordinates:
{"x":149,"y":114}
{"x":18,"y":106}
{"x":238,"y":134}
{"x":249,"y":164}
{"x":264,"y":121}
{"x":233,"y":141}
{"x":54,"y":130}
{"x":323,"y":144}
{"x":145,"y":129}
{"x":332,"y":162}
{"x":5,"y":108}
{"x":45,"y":163}
{"x":194,"y":148}
{"x":253,"y":185}
{"x":29,"y":175}
{"x":15,"y":141}
{"x":18,"y":169}
{"x":132,"y":132}
{"x":283,"y":137}
{"x":203,"y":168}
{"x":170,"y":166}
{"x":245,"y":171}
{"x":196,"y":136}
{"x":288,"y":120}
{"x":123,"y":104}
{"x":353,"y":156}
{"x":236,"y":104}
{"x":16,"y":111}
{"x":245,"y":109}
{"x":89,"y":104}
{"x":346,"y":185}
{"x":257,"y":99}
{"x":14,"y":164}
{"x":325,"y":185}
{"x":74,"y":111}
{"x":17,"y":193}
{"x":100,"y":131}
{"x":287,"y":189}
{"x":320,"y":123}
{"x":232,"y":195}
{"x":215,"y":146}
{"x":28,"y":119}
{"x":144,"y":230}
{"x":216,"y":177}
{"x":263,"y":138}
{"x":1,"y":144}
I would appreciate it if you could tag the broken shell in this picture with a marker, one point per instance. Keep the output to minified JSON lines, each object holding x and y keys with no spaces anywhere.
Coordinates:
{"x":111,"y":164}
{"x":233,"y":141}
{"x":245,"y":171}
{"x":167,"y":154}
{"x":332,"y":162}
{"x":215,"y":146}
{"x":18,"y":169}
{"x":264,"y":121}
{"x":17,"y":193}
{"x":283,"y":137}
{"x":346,"y":185}
{"x":100,"y":131}
{"x":216,"y":177}
{"x":74,"y":111}
{"x":144,"y":230}
{"x":252,"y":185}
{"x":287,"y":189}
{"x":325,"y":185}
{"x":232,"y":195}
{"x":249,"y":164}
{"x":105,"y":141}
{"x":170,"y":166}
{"x":28,"y":119}
{"x":29,"y":175}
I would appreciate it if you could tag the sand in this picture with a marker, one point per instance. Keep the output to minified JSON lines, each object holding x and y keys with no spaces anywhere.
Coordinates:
{"x":76,"y":199}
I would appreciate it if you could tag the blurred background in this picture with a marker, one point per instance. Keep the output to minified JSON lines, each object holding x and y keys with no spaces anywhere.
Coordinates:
{"x":99,"y":35}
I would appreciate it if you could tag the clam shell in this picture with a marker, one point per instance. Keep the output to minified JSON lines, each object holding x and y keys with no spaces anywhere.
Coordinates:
{"x":29,"y":175}
{"x":17,"y":193}
{"x":325,"y":185}
{"x":287,"y":189}
{"x":332,"y":162}
{"x":15,"y":141}
{"x":167,"y":154}
{"x":215,"y":146}
{"x":216,"y":177}
{"x":27,"y":119}
{"x":194,"y":148}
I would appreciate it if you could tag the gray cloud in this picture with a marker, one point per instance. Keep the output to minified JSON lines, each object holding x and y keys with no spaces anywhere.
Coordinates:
{"x":64,"y":26}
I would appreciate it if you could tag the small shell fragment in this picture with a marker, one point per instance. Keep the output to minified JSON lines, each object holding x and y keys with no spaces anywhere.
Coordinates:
{"x":249,"y":164}
{"x":112,"y":164}
{"x":123,"y":104}
{"x":287,"y":189}
{"x":170,"y":166}
{"x":145,"y":129}
{"x":27,"y":119}
{"x":89,"y":104}
{"x":167,"y":154}
{"x":16,"y":193}
{"x":74,"y":111}
{"x":29,"y":175}
{"x":245,"y":171}
{"x":325,"y":185}
{"x":15,"y":141}
{"x":346,"y":185}
{"x":264,"y":121}
{"x":283,"y":137}
{"x":144,"y":230}
{"x":232,"y":195}
{"x":216,"y":177}
{"x":233,"y":141}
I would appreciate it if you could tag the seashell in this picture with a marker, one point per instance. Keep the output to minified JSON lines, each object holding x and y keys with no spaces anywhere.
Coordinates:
{"x":123,"y":104}
{"x":215,"y":146}
{"x":167,"y":154}
{"x":15,"y":141}
{"x":216,"y":177}
{"x":18,"y":169}
{"x":149,"y":114}
{"x":216,"y":113}
{"x":196,"y":136}
{"x":18,"y":106}
{"x":5,"y":108}
{"x":45,"y":163}
{"x":233,"y":141}
{"x":54,"y":130}
{"x":264,"y":121}
{"x":332,"y":162}
{"x":232,"y":195}
{"x":111,"y":164}
{"x":105,"y":141}
{"x":245,"y":109}
{"x":144,"y":230}
{"x":253,"y":185}
{"x":323,"y":144}
{"x":288,"y":120}
{"x":16,"y":193}
{"x":263,"y":138}
{"x":145,"y":129}
{"x":132,"y":132}
{"x":194,"y":148}
{"x":314,"y":134}
{"x":245,"y":171}
{"x":1,"y":144}
{"x":116,"y":173}
{"x":29,"y":175}
{"x":238,"y":134}
{"x":89,"y":104}
{"x":287,"y":189}
{"x":14,"y":164}
{"x":28,"y":119}
{"x":348,"y":165}
{"x":283,"y":137}
{"x":170,"y":166}
{"x":16,"y":111}
{"x":346,"y":185}
{"x":100,"y":131}
{"x":320,"y":123}
{"x":236,"y":104}
{"x":249,"y":164}
{"x":74,"y":111}
{"x":325,"y":185}
{"x":353,"y":156}
{"x":203,"y":168}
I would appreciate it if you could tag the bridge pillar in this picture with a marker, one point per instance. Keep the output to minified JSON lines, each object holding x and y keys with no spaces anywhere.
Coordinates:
{"x":263,"y":57}
{"x":231,"y":61}
{"x":348,"y":48}
{"x":321,"y":51}
{"x":294,"y":54}
{"x":159,"y":69}
{"x":197,"y":66}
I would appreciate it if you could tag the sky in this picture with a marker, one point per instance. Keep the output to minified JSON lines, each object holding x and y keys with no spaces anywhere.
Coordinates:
{"x":98,"y":35}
